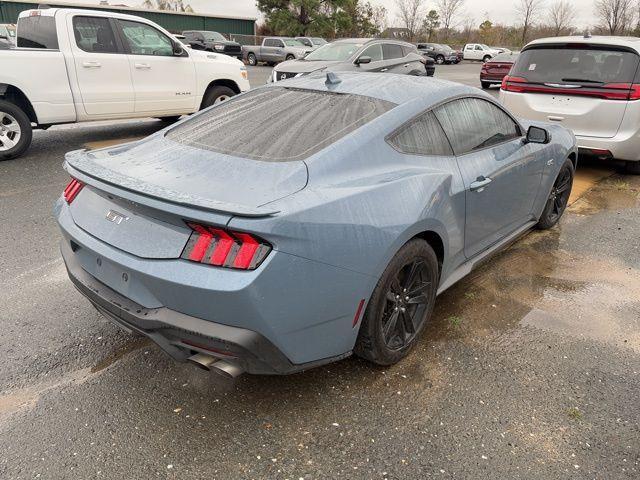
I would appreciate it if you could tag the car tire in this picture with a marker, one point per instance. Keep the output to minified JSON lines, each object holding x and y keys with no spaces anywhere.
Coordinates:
{"x":15,"y":129}
{"x":252,"y":59}
{"x":633,"y":168}
{"x":215,"y":95}
{"x":486,"y":58}
{"x":172,"y":119}
{"x":290,"y":57}
{"x":439,"y":59}
{"x":558,"y":197}
{"x":388,"y":332}
{"x":485,"y":85}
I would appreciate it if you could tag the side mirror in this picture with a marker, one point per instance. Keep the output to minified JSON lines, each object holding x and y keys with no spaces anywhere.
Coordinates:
{"x":363,"y":60}
{"x":537,"y":135}
{"x":178,"y":50}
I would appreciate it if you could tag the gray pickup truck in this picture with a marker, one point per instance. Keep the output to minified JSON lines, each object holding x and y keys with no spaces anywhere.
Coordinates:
{"x":274,"y":50}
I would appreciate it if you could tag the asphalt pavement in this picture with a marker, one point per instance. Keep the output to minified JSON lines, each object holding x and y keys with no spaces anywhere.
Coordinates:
{"x":530,"y":368}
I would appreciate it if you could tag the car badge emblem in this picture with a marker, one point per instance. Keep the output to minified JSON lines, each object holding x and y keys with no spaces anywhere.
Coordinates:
{"x":283,"y":76}
{"x":116,"y":217}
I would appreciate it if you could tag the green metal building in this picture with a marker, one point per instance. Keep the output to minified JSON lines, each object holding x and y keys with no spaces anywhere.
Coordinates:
{"x":175,"y":22}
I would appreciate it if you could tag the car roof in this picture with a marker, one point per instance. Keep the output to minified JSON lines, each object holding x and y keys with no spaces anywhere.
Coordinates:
{"x":630,"y":42}
{"x":395,"y":88}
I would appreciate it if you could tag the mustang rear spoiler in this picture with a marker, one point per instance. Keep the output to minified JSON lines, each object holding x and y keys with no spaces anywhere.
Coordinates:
{"x":80,"y":166}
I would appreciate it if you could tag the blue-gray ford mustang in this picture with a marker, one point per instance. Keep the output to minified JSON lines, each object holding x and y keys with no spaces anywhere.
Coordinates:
{"x":307,"y":220}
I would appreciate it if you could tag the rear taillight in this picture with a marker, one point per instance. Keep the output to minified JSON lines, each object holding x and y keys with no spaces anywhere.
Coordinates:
{"x":225,"y":248}
{"x":509,"y":81}
{"x":72,"y":190}
{"x":606,"y":91}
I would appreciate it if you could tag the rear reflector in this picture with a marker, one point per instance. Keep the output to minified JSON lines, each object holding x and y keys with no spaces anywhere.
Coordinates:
{"x":225,"y":248}
{"x":72,"y":190}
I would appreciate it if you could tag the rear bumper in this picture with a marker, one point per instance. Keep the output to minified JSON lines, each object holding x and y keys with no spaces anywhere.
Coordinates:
{"x":290,"y":314}
{"x":491,"y":78}
{"x":181,"y":335}
{"x":622,"y":146}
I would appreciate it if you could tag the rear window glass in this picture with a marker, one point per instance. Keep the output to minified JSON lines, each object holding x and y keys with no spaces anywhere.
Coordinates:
{"x":277,"y":124}
{"x":37,"y":32}
{"x":576,"y":65}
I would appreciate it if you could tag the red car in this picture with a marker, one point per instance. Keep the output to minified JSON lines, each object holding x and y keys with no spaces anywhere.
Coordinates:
{"x":494,"y":70}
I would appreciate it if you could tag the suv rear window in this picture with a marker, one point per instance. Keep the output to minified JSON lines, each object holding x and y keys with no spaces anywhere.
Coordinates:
{"x":38,"y":31}
{"x":581,"y":64}
{"x":278,"y":124}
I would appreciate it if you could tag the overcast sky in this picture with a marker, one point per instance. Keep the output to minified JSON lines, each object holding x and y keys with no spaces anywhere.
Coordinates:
{"x":497,"y":11}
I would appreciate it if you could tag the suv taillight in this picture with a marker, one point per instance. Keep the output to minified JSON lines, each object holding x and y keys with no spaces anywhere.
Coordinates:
{"x":606,"y":91}
{"x":72,"y":190}
{"x":508,"y":81}
{"x":225,"y":248}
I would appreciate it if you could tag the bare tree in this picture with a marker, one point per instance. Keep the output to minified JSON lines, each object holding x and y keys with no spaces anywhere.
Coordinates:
{"x":562,"y":15}
{"x":410,"y":13}
{"x":527,"y":11}
{"x":616,"y":16}
{"x":449,"y":11}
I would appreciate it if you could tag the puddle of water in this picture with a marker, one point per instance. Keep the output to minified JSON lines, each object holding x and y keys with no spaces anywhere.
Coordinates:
{"x":536,"y":282}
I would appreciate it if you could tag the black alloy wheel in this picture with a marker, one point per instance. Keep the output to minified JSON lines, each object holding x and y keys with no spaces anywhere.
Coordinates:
{"x":558,"y":198}
{"x":401,"y":304}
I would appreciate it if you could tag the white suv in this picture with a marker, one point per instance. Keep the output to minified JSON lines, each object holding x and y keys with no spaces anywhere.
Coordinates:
{"x":588,"y":84}
{"x":478,"y":51}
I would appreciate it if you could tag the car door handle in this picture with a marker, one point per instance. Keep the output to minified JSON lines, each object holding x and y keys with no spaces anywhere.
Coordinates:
{"x":479,"y":184}
{"x":142,"y":66}
{"x":407,"y":64}
{"x":384,"y":69}
{"x":91,"y":64}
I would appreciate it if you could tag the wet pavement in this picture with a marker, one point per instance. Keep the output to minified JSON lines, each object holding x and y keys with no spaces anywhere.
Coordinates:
{"x":530,"y":368}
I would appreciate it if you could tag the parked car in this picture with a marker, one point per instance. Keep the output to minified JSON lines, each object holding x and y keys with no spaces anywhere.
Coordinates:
{"x":494,"y":70}
{"x":274,"y":50}
{"x":240,"y":248}
{"x":588,"y":84}
{"x":212,"y":42}
{"x":83,"y":65}
{"x":356,"y":54}
{"x":439,"y":53}
{"x":458,"y":53}
{"x":478,"y":51}
{"x":312,"y":42}
{"x":7,"y":34}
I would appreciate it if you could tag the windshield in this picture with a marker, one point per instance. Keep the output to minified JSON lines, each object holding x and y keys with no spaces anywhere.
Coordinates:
{"x":318,"y":41}
{"x":334,"y":52}
{"x":213,"y":36}
{"x":293,"y":43}
{"x":560,"y":64}
{"x":11,"y":31}
{"x":446,"y":47}
{"x":484,"y":46}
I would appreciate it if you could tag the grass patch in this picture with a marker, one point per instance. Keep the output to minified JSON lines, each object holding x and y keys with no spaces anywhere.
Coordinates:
{"x":470,"y":295}
{"x":574,"y":413}
{"x":455,"y":320}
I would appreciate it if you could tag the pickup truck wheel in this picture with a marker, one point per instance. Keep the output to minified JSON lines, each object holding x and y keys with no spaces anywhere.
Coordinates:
{"x":252,"y":60}
{"x":217,"y":95}
{"x":486,"y":58}
{"x":15,"y":131}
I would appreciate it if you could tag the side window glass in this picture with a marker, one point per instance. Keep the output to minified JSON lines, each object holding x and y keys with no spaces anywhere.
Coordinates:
{"x":478,"y":47}
{"x":422,"y":136}
{"x":472,"y":124}
{"x":279,"y":43}
{"x":373,"y":51}
{"x":391,"y":51}
{"x":94,"y":34}
{"x":145,"y":40}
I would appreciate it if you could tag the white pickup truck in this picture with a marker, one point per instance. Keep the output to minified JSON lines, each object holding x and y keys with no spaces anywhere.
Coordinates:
{"x":83,"y":65}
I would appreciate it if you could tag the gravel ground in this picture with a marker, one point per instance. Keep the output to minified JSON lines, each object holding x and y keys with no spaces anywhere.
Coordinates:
{"x":530,"y":368}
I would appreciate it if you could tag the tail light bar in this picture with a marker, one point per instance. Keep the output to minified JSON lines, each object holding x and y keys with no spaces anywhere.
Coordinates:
{"x":225,"y":248}
{"x":608,"y":91}
{"x":72,"y":190}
